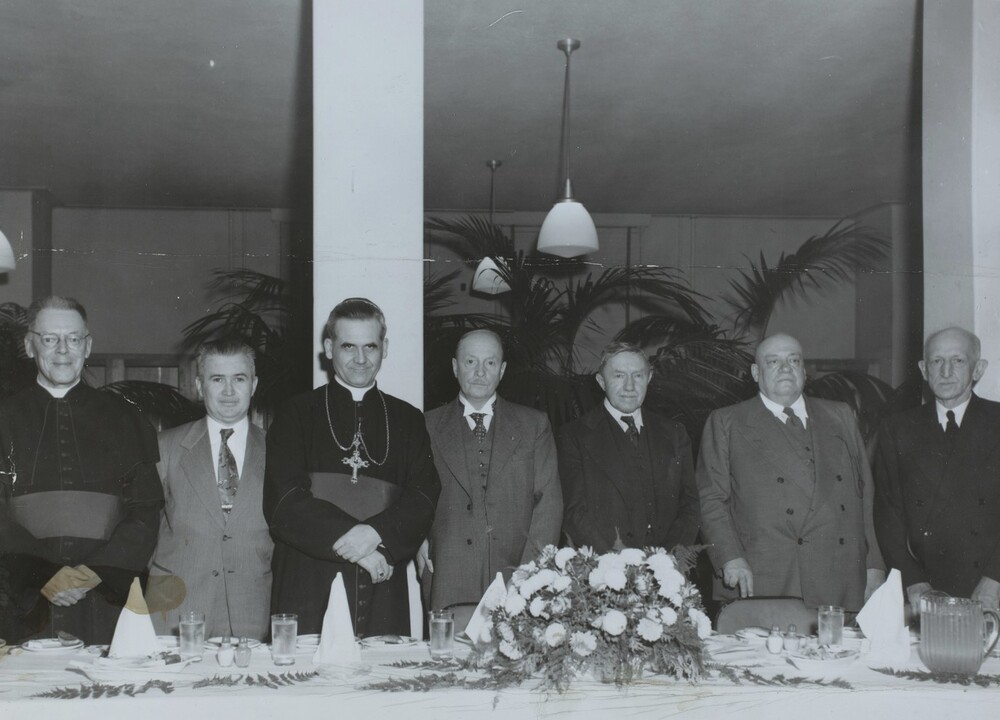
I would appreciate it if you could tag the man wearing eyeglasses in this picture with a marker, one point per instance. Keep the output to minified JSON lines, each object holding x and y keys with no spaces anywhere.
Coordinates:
{"x":79,"y":493}
{"x":786,"y":491}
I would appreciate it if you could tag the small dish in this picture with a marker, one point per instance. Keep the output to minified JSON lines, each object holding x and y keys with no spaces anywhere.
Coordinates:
{"x":310,"y":640}
{"x":388,"y":640}
{"x":753,"y":634}
{"x":822,"y":659}
{"x":216,"y":642}
{"x":51,"y":645}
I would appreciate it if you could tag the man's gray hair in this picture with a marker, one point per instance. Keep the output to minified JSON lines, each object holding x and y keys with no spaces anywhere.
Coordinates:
{"x":230,"y":345}
{"x":617,"y":348}
{"x":54,"y":302}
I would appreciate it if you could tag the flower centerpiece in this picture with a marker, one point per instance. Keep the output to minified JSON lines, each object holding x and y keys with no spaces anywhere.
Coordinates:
{"x":573,"y":612}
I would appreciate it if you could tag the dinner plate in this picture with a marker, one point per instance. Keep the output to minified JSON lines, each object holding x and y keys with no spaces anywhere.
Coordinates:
{"x":753,"y":634}
{"x":51,"y":645}
{"x":308,"y":640}
{"x":389,"y":640}
{"x":822,"y":660}
{"x":216,"y":642}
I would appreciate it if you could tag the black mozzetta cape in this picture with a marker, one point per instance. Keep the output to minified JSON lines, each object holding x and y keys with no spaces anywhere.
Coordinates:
{"x":305,"y":528}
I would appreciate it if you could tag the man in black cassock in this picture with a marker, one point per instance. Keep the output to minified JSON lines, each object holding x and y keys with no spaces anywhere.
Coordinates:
{"x":79,"y":494}
{"x":326,"y":449}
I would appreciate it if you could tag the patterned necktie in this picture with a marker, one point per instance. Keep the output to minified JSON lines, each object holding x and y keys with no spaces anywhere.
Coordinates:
{"x":228,"y":476}
{"x":480,"y":429}
{"x":794,"y":421}
{"x":631,"y":432}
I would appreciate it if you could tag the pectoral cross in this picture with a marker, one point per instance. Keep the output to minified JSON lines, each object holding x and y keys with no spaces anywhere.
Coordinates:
{"x":355,"y":461}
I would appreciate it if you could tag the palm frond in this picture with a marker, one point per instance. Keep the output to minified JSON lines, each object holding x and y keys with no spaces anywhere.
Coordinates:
{"x":162,"y":404}
{"x":437,"y":294}
{"x":864,"y":393}
{"x":471,"y":237}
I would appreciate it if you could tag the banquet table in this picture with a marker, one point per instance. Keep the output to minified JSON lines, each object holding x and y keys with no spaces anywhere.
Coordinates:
{"x":342,"y":692}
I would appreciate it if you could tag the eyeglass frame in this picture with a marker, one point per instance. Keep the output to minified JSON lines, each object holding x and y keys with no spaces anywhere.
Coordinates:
{"x":73,"y":342}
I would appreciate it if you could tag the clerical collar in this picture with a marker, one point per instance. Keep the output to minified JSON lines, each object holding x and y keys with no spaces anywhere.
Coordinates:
{"x":357,"y":393}
{"x":959,"y":410}
{"x":56,"y":392}
{"x":778,"y":410}
{"x":617,"y":415}
{"x":486,"y":410}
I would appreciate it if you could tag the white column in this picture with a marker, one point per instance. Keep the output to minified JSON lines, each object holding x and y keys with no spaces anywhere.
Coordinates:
{"x":368,"y":58}
{"x":961,"y":167}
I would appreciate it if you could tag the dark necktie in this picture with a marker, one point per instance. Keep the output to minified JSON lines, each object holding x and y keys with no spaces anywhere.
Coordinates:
{"x":952,"y":427}
{"x":631,"y":432}
{"x":480,"y":429}
{"x":794,"y":421}
{"x":228,"y":477}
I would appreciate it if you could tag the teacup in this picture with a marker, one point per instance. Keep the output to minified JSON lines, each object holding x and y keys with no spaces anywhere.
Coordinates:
{"x":953,"y":633}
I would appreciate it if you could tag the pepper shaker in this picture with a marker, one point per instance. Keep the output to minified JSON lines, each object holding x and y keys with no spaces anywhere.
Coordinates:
{"x":791,"y":642}
{"x":242,"y":653}
{"x":775,"y":641}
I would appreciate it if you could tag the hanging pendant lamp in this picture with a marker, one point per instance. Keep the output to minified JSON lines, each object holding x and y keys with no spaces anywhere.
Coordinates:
{"x":488,"y":278}
{"x":568,"y":229}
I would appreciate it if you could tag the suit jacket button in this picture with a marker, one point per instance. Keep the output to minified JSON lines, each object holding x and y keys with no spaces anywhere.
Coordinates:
{"x":843,"y":508}
{"x":781,"y":480}
{"x":920,"y":503}
{"x":841,"y":541}
{"x":468,"y":541}
{"x":469,"y":507}
{"x":800,"y":541}
{"x":840,"y":479}
{"x":215,"y":573}
{"x":790,"y":511}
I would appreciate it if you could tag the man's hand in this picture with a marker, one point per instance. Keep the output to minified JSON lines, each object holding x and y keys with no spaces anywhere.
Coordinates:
{"x":66,"y":598}
{"x":737,"y":572}
{"x":377,"y":566}
{"x":913,"y":594}
{"x":988,"y":593}
{"x":358,"y":542}
{"x":874,"y":581}
{"x":424,"y":559}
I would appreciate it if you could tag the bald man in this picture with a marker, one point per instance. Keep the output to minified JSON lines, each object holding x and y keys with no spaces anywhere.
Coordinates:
{"x":937,"y":472}
{"x":786,"y":491}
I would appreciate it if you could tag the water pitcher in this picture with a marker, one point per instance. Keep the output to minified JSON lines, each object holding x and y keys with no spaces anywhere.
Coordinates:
{"x":956,"y":634}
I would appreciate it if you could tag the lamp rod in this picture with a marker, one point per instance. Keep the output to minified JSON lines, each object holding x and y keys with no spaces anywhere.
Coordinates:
{"x":567,"y":45}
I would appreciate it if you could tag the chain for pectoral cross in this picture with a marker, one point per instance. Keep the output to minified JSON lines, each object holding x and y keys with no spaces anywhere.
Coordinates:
{"x":355,"y":461}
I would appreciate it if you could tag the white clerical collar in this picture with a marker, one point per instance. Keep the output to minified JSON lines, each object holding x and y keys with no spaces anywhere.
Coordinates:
{"x":487,"y":408}
{"x":617,"y":415}
{"x":778,"y":410}
{"x":959,"y":410}
{"x":59,"y":392}
{"x":357,"y":393}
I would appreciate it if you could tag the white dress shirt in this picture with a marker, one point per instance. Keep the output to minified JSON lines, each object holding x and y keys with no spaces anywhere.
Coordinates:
{"x":487,"y":411}
{"x":616,"y":414}
{"x":778,"y":410}
{"x":959,"y":410}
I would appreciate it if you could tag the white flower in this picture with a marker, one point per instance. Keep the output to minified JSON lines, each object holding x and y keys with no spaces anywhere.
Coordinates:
{"x":641,"y":584}
{"x":660,"y":561}
{"x":545,"y":578}
{"x":650,"y":630}
{"x":537,"y":607}
{"x":559,"y":605}
{"x":702,"y":622}
{"x":611,"y":560}
{"x":555,"y":634}
{"x":596,"y":578}
{"x":669,"y":580}
{"x":585,"y":552}
{"x":510,"y":650}
{"x":615,"y":579}
{"x":597,"y":622}
{"x":548,"y":552}
{"x":514,"y":604}
{"x":561,"y":583}
{"x":506,"y":631}
{"x":668,"y":615}
{"x":614,"y":622}
{"x":632,"y":556}
{"x":563,"y":556}
{"x":583,"y":643}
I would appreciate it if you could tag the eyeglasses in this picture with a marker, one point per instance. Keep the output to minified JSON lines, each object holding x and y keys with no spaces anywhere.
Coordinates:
{"x":51,"y":340}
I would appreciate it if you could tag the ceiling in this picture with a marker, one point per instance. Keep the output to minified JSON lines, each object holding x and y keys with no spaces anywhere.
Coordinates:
{"x":769,"y":107}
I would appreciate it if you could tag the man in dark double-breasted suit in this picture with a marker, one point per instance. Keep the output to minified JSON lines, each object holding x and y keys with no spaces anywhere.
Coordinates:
{"x":214,"y":549}
{"x":937,"y":472}
{"x":786,"y":491}
{"x":626,"y":472}
{"x":500,"y":500}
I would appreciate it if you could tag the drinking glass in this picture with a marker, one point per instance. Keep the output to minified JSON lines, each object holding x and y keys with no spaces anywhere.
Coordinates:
{"x":953,"y":634}
{"x":831,"y":625}
{"x":284,"y":633}
{"x":192,"y":634}
{"x":442,"y":628}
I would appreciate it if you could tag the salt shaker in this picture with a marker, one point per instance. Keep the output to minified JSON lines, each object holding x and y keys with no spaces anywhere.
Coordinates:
{"x":774,"y":641}
{"x":792,"y":639}
{"x":242,"y":653}
{"x":225,"y":653}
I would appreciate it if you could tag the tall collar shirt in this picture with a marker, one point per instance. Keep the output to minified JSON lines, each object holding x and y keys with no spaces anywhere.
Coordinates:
{"x":237,"y":441}
{"x":959,"y":410}
{"x":616,"y":415}
{"x":778,"y":410}
{"x":486,"y":410}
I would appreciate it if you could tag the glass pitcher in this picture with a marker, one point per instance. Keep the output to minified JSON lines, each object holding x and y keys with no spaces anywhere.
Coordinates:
{"x":953,"y":633}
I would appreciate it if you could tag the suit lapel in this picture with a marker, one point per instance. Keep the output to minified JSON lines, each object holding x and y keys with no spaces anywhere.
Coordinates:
{"x":601,"y":446}
{"x":252,"y":477}
{"x":824,"y":432}
{"x":196,"y":462}
{"x":764,"y":430}
{"x":450,"y":426}
{"x":505,"y":438}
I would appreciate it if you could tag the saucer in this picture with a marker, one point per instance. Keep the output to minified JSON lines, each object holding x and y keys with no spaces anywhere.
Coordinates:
{"x":51,"y":645}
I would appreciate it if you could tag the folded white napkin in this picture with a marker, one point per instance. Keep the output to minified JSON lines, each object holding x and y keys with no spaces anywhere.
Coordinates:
{"x":479,"y":624}
{"x":881,"y":620}
{"x":337,"y":645}
{"x":134,"y":633}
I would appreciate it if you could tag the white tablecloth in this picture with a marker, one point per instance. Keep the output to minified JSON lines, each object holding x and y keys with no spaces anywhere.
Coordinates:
{"x":339,"y":694}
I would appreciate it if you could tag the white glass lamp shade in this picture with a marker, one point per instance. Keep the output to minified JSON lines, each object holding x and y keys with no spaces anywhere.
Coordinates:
{"x":568,"y":230}
{"x":488,"y":279}
{"x":6,"y":254}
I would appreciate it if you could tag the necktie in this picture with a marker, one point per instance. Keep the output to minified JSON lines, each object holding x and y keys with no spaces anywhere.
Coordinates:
{"x":631,"y":432}
{"x":480,"y":429}
{"x":794,"y":421}
{"x":228,"y":477}
{"x":952,"y":427}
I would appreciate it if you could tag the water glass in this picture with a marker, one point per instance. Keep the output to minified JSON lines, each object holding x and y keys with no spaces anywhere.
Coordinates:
{"x":192,"y":634}
{"x":284,"y":634}
{"x":442,"y":628}
{"x":831,"y":625}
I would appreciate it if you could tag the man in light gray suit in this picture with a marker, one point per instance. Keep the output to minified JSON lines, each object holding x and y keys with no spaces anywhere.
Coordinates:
{"x":214,"y":549}
{"x":500,"y":501}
